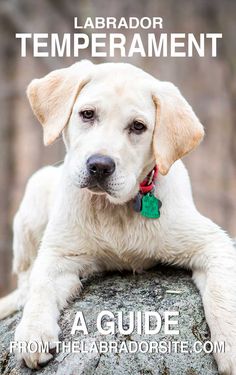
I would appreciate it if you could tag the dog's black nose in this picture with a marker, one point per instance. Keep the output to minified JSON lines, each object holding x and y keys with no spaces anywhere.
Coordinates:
{"x":100,"y":166}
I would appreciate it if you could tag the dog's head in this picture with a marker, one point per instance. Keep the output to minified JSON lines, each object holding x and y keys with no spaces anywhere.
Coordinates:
{"x":117,"y":123}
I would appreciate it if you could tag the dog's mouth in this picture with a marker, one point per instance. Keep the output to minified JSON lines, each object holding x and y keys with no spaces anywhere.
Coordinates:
{"x":97,"y":189}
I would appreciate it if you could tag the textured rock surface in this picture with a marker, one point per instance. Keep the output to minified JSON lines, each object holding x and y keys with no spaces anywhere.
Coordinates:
{"x":150,"y":291}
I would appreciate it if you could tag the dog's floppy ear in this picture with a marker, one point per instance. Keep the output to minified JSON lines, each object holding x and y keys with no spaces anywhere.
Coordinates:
{"x":52,"y":97}
{"x":177,"y":130}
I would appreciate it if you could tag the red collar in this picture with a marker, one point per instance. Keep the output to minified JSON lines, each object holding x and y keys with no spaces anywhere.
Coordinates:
{"x":148,"y":183}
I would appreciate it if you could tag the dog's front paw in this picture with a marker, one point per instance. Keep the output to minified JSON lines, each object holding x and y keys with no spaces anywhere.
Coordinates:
{"x":35,"y":341}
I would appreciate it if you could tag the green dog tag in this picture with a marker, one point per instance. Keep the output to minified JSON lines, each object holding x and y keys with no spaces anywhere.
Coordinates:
{"x":150,"y":206}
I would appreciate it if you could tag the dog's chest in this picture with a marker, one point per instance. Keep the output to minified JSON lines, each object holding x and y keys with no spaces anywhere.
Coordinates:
{"x":123,"y":233}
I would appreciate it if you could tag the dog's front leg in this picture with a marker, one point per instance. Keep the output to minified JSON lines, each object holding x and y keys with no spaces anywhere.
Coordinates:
{"x":54,"y":279}
{"x":213,"y":261}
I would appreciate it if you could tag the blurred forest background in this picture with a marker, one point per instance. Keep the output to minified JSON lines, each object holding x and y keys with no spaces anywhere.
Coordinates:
{"x":209,"y":84}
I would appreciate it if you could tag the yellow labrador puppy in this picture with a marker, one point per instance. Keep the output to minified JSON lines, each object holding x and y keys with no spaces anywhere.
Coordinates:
{"x":124,"y":132}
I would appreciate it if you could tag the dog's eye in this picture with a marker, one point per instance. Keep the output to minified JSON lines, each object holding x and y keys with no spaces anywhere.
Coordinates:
{"x":137,"y":127}
{"x":87,"y":114}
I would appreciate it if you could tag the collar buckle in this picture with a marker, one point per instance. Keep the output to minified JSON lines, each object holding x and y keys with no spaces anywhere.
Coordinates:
{"x":147,"y":185}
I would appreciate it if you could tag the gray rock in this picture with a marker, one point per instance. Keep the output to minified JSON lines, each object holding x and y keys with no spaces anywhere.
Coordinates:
{"x":160,"y":289}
